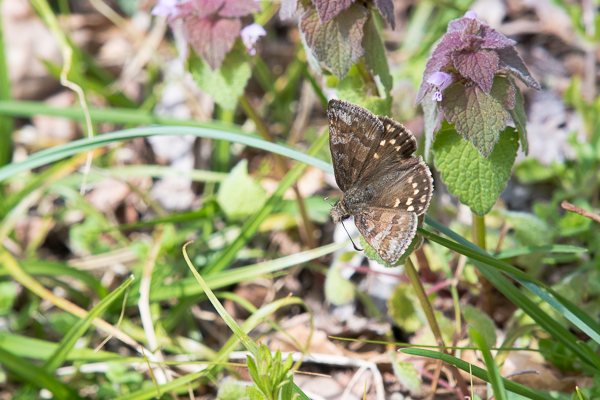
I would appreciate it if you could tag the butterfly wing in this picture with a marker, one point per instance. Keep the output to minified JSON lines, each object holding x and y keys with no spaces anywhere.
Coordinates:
{"x":406,"y":187}
{"x":393,"y":176}
{"x":388,"y":231}
{"x":353,"y":132}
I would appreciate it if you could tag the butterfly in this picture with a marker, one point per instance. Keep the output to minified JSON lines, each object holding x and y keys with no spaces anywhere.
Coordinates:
{"x":386,"y":188}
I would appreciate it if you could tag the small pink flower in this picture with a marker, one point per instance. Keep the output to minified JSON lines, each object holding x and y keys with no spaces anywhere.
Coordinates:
{"x":250,"y":35}
{"x":440,"y":81}
{"x":168,"y":8}
{"x":471,"y":14}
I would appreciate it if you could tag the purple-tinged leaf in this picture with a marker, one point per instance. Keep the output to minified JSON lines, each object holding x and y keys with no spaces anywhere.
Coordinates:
{"x":511,"y":62}
{"x":479,"y":67}
{"x":200,"y":8}
{"x":386,"y":8}
{"x":492,"y":39}
{"x":465,"y":25}
{"x":210,"y":38}
{"x":239,"y":8}
{"x":504,"y":92}
{"x":508,"y":94}
{"x":476,"y":115}
{"x":329,"y":9}
{"x":336,"y":44}
{"x":288,"y":9}
{"x":517,"y":113}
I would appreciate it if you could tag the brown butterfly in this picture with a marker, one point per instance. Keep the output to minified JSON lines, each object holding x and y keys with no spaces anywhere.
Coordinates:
{"x":386,"y":188}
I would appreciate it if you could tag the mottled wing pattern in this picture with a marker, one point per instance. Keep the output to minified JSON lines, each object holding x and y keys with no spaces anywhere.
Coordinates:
{"x":353,"y":132}
{"x":388,"y":231}
{"x":405,"y":187}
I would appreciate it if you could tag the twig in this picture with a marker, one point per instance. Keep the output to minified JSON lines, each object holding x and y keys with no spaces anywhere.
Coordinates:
{"x":578,"y":210}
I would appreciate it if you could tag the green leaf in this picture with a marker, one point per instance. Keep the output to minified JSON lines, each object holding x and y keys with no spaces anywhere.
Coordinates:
{"x":338,"y":290}
{"x":8,"y":294}
{"x":408,"y":376}
{"x":353,"y":89}
{"x":477,"y":181}
{"x":480,"y":322}
{"x":529,"y":229}
{"x":478,"y":117}
{"x":375,"y":57}
{"x":226,"y":84}
{"x":402,"y":310}
{"x":337,"y":44}
{"x":239,"y":195}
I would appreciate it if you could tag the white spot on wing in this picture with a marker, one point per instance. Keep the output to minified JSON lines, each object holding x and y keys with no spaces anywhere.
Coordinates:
{"x":397,"y":202}
{"x":382,"y":143}
{"x":411,"y":208}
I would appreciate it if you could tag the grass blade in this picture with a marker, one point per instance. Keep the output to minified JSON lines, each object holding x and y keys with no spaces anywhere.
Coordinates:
{"x":189,"y":287}
{"x":479,"y":373}
{"x":223,"y":259}
{"x":36,"y":376}
{"x":78,"y":330}
{"x":241,"y":335}
{"x":492,"y":368}
{"x":489,"y":267}
{"x":59,"y":152}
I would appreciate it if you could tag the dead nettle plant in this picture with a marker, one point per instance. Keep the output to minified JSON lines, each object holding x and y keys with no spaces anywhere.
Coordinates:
{"x":222,"y":35}
{"x":474,"y":112}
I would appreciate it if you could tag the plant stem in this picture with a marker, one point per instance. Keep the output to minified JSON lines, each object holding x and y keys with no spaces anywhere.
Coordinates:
{"x":413,"y":277}
{"x":479,"y":230}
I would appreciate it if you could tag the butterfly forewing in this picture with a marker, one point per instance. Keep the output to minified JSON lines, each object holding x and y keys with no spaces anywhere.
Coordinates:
{"x":352,"y":133}
{"x":388,"y":231}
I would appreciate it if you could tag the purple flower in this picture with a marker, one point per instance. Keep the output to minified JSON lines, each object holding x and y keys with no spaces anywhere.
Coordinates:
{"x":167,"y":8}
{"x":471,"y":14}
{"x":250,"y":35}
{"x":440,"y":81}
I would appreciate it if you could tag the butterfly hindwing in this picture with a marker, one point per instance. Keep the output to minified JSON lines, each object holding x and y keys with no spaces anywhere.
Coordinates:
{"x":388,"y":231}
{"x":405,"y":187}
{"x":352,"y":134}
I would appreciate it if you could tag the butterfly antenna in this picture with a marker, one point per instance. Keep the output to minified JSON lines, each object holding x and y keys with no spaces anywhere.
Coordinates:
{"x":350,"y":237}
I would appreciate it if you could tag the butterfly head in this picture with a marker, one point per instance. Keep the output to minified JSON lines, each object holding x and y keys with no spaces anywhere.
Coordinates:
{"x":339,"y":212}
